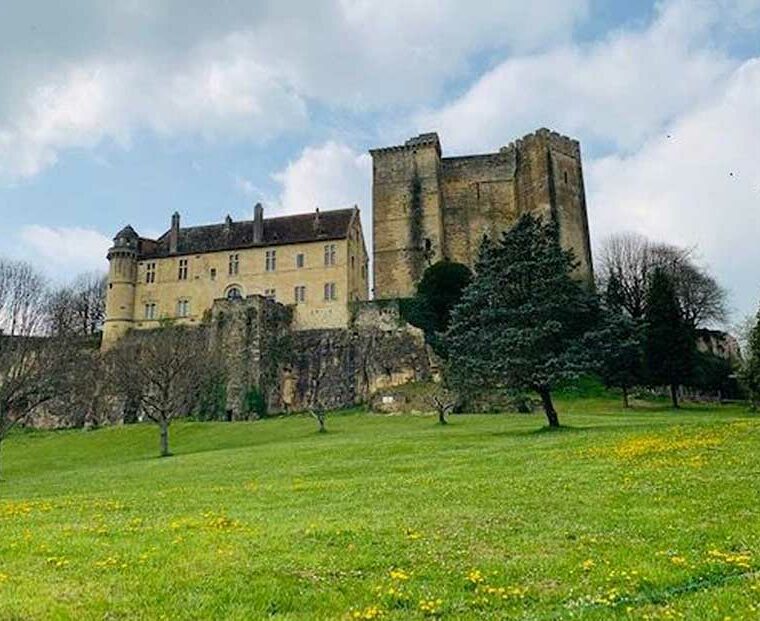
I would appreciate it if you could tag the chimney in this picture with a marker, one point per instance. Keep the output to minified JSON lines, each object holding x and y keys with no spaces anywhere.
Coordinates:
{"x":228,"y":224}
{"x":258,"y":224}
{"x":316,"y":221}
{"x":174,"y":233}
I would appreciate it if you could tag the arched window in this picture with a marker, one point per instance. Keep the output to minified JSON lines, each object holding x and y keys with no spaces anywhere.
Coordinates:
{"x":234,"y":293}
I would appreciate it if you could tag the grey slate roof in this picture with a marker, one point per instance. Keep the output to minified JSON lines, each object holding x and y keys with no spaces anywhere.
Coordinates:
{"x":283,"y":230}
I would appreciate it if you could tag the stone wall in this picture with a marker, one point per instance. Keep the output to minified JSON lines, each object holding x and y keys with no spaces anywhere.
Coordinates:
{"x":295,"y":370}
{"x":427,"y":207}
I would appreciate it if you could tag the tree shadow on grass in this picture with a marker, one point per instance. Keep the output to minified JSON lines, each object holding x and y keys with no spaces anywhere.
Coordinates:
{"x":544,"y":430}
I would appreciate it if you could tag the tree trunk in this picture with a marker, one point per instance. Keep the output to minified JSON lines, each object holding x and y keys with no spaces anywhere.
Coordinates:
{"x":551,"y":413}
{"x":165,"y":439}
{"x":442,"y":417}
{"x":674,"y":395}
{"x":626,"y":404}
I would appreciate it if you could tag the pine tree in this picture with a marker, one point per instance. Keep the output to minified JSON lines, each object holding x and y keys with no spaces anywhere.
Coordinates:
{"x":750,"y":372}
{"x":521,"y":322}
{"x":669,"y":341}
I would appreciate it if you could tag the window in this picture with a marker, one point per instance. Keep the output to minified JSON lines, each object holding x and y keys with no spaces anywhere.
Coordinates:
{"x":352,"y":262}
{"x":299,"y":259}
{"x":150,"y":311}
{"x":182,"y":275}
{"x":329,"y":254}
{"x":565,"y":177}
{"x":183,"y":308}
{"x":271,"y":260}
{"x":150,"y":273}
{"x":234,"y":264}
{"x":364,"y":272}
{"x":270,"y":293}
{"x":299,"y":294}
{"x":234,"y":293}
{"x":330,"y":291}
{"x":213,"y":273}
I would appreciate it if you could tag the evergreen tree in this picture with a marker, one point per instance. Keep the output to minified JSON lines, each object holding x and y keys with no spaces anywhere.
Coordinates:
{"x":439,"y":291}
{"x":750,"y":372}
{"x":521,"y":322}
{"x":618,"y":343}
{"x":669,"y":341}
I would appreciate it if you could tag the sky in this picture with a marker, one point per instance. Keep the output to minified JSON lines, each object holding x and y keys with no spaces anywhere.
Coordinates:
{"x":116,"y":113}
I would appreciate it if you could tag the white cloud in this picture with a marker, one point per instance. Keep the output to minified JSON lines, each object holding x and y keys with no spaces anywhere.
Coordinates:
{"x":87,"y":104}
{"x":619,"y":90}
{"x":329,"y":176}
{"x":700,"y":187}
{"x":245,"y":70}
{"x":64,"y":251}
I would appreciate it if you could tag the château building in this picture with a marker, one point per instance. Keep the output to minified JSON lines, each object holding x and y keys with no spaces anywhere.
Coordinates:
{"x":315,"y":262}
{"x":425,"y":208}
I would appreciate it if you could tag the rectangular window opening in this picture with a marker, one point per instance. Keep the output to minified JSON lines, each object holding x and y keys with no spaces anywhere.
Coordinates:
{"x":330,"y":252}
{"x":330,"y":291}
{"x":271,"y":260}
{"x":234,"y":266}
{"x":182,"y":275}
{"x":150,"y":273}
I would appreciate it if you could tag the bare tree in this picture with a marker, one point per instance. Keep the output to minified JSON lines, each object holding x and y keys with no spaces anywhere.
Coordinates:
{"x":632,"y":260}
{"x":34,"y":368}
{"x":163,"y":371}
{"x":444,"y":401}
{"x":79,"y":308}
{"x":23,"y":291}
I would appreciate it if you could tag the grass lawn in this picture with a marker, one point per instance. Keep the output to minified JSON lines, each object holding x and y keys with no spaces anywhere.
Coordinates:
{"x":649,"y":514}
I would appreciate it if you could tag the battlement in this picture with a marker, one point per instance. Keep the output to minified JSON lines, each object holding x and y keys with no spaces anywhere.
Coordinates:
{"x":555,"y":140}
{"x":428,"y":139}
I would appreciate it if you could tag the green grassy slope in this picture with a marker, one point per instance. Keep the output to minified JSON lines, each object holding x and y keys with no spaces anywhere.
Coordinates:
{"x":643,"y":515}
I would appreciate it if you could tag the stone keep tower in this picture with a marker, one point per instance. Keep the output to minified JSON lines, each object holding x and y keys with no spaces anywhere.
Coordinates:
{"x":122,"y":279}
{"x":427,"y":207}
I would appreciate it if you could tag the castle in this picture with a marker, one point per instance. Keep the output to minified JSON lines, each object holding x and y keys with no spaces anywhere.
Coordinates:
{"x":426,"y":207}
{"x":303,"y":280}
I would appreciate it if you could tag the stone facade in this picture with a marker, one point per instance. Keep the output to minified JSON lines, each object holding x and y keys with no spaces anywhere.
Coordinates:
{"x":179,"y":276}
{"x":427,"y":207}
{"x":295,"y":370}
{"x":720,"y":344}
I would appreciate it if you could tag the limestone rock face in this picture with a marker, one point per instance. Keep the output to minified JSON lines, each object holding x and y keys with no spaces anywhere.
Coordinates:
{"x":295,"y":370}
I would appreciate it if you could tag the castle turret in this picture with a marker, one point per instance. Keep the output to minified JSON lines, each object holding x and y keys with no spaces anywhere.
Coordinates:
{"x":549,"y":182}
{"x":122,"y":279}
